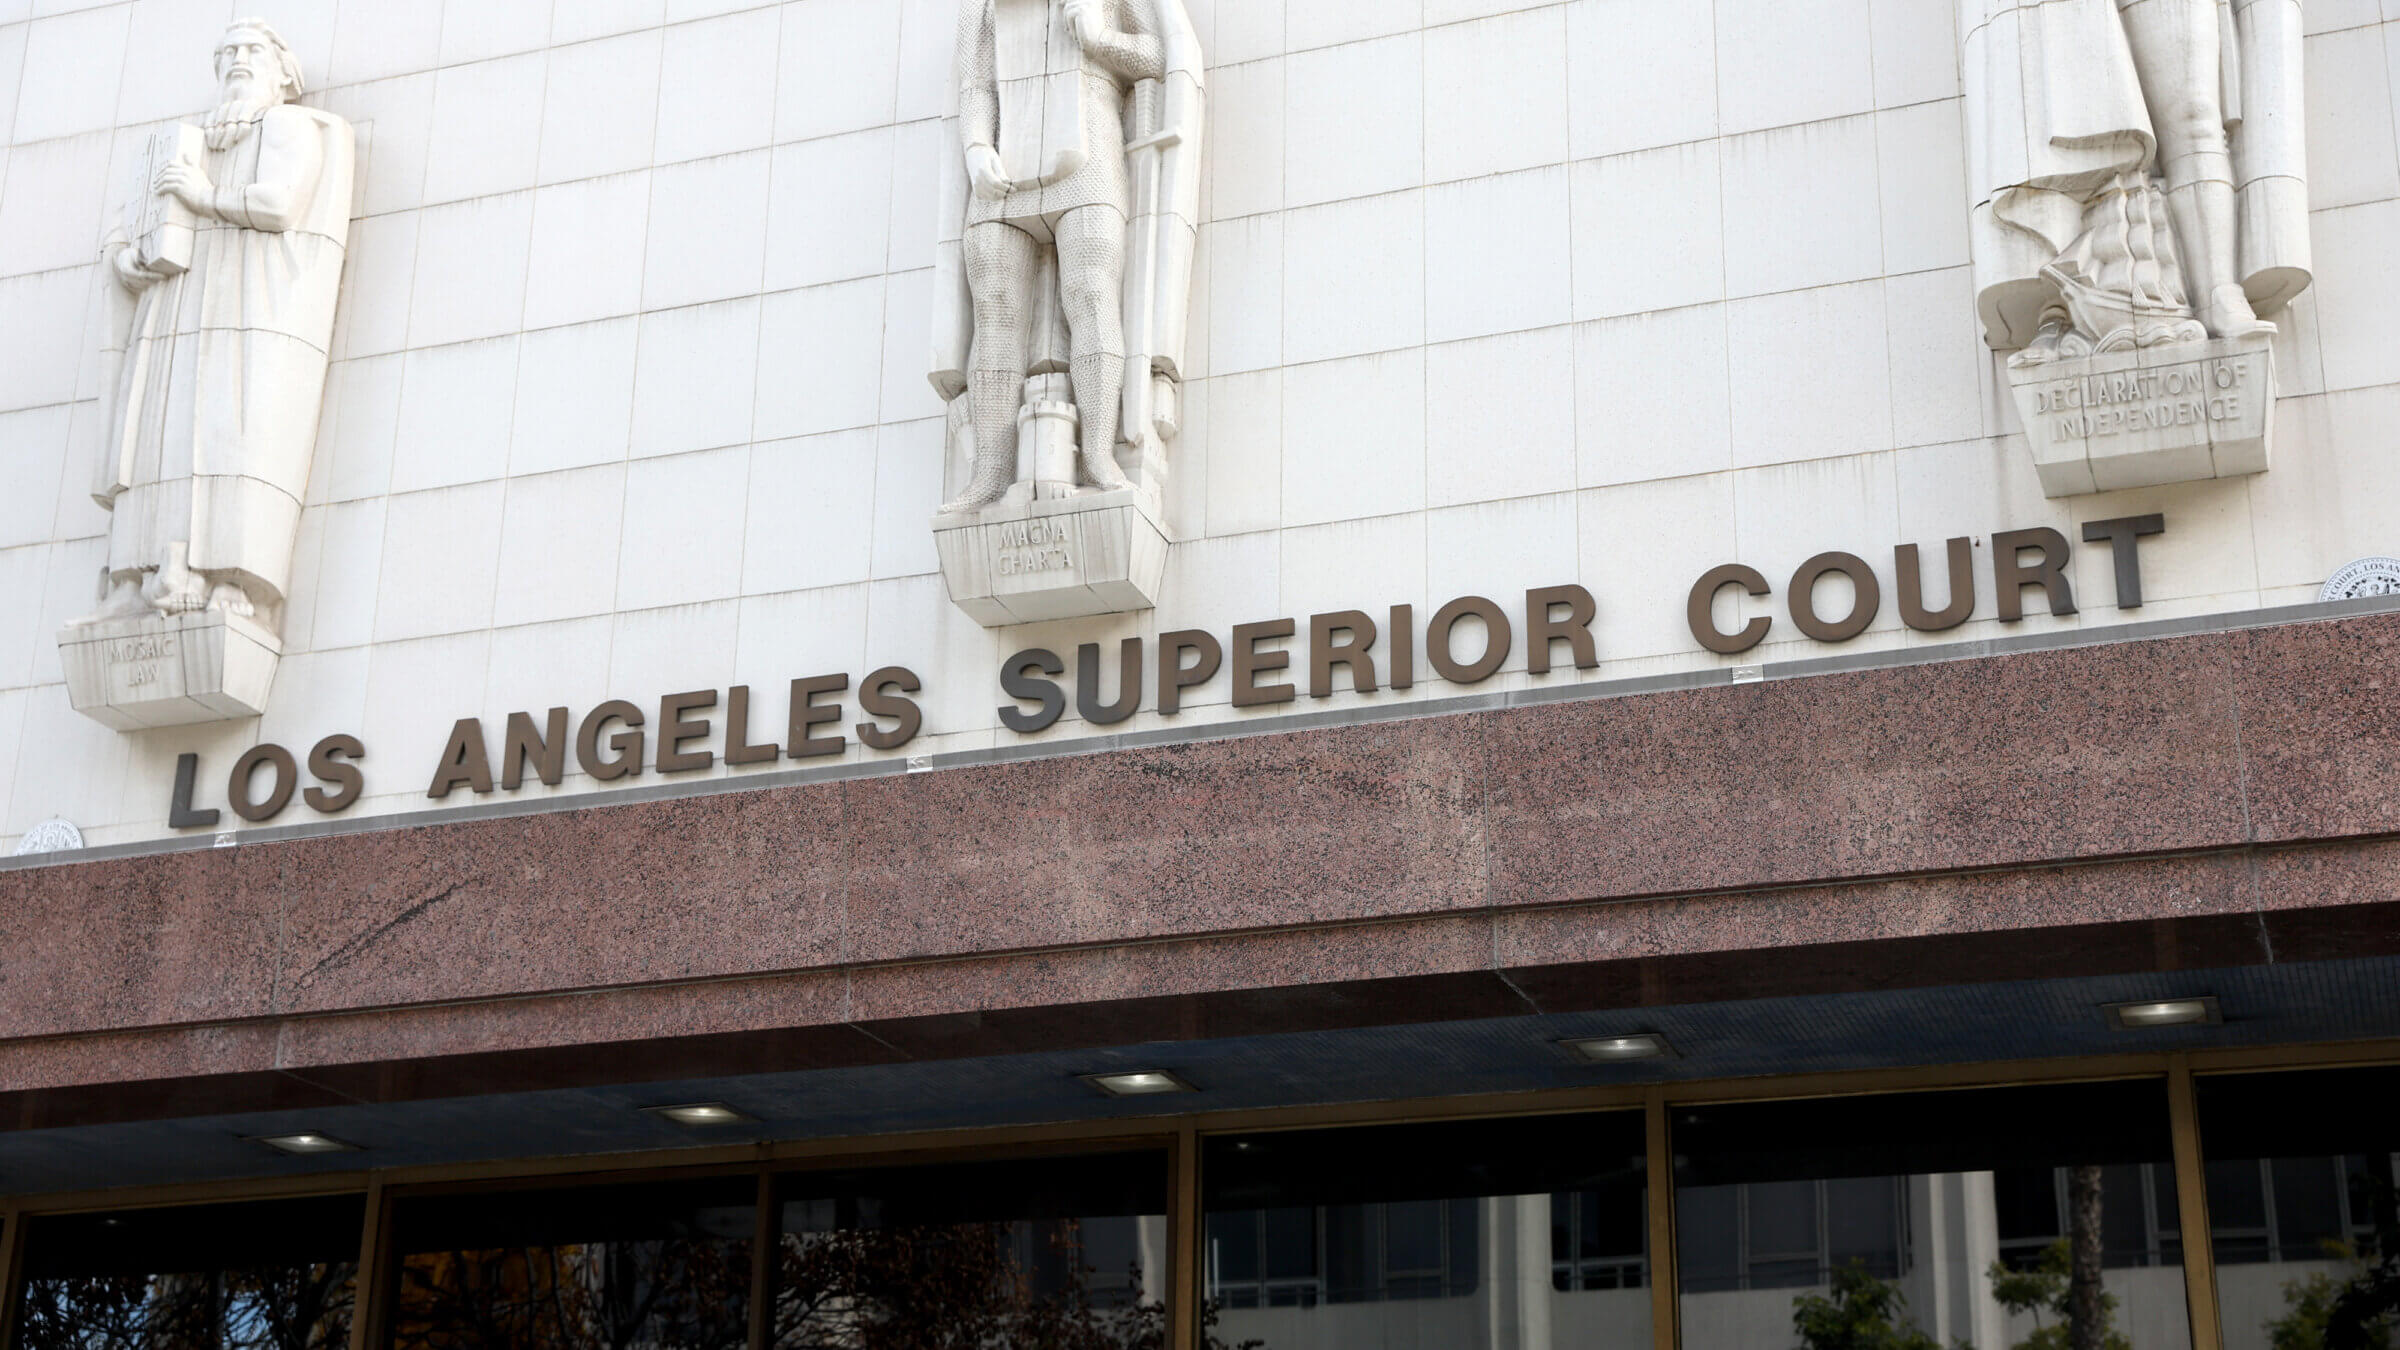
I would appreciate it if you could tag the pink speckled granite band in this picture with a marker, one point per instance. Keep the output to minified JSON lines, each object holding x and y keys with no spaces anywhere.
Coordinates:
{"x":2157,"y":804}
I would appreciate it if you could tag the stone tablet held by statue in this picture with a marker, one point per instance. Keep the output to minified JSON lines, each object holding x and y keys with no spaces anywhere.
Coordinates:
{"x":158,"y":225}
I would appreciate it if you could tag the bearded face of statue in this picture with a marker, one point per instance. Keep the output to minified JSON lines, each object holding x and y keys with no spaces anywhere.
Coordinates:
{"x":253,"y":78}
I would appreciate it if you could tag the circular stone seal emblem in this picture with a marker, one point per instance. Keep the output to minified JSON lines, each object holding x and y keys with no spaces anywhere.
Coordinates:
{"x":51,"y":836}
{"x":2367,"y":576}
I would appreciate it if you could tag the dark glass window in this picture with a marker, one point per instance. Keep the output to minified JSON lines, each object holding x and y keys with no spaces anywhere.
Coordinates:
{"x":2139,"y":1224}
{"x":1949,"y":1212}
{"x":274,"y":1274}
{"x":663,"y":1266}
{"x":1045,"y":1251}
{"x":2304,"y":1206}
{"x":1499,"y":1233}
{"x":1788,"y":1234}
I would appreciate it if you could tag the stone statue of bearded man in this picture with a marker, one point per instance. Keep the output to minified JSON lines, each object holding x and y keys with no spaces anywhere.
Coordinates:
{"x":226,"y":268}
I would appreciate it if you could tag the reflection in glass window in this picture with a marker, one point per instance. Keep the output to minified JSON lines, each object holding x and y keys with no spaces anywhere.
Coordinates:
{"x":2304,"y":1207}
{"x":1032,"y":1252}
{"x":2004,"y":1219}
{"x":276,"y":1275}
{"x":663,"y":1267}
{"x":2139,"y":1223}
{"x":1500,"y":1233}
{"x":1790,"y":1234}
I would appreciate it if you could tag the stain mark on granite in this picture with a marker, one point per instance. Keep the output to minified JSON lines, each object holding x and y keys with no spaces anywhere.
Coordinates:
{"x":357,"y":946}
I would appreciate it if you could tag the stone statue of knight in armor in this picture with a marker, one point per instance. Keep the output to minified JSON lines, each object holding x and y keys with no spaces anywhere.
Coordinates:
{"x":1067,"y":243}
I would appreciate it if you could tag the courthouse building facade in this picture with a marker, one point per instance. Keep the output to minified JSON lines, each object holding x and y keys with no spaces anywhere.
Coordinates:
{"x":1289,"y":673}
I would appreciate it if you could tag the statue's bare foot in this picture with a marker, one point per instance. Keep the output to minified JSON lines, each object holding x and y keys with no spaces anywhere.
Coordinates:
{"x":227,"y":598}
{"x":175,"y":588}
{"x":1051,"y":490}
{"x":125,"y":601}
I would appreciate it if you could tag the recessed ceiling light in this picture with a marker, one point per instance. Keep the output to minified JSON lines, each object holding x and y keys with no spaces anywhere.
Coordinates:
{"x":1138,"y":1083}
{"x":304,"y":1142}
{"x":1615,"y":1049}
{"x":2164,"y":1012}
{"x":701,"y":1115}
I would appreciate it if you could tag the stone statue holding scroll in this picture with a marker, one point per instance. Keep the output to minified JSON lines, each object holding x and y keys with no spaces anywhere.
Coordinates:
{"x":226,"y":265}
{"x":1070,"y":247}
{"x":2137,"y":171}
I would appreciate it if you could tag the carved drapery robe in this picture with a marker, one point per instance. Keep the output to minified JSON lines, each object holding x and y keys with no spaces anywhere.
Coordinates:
{"x":215,"y":376}
{"x":2056,"y":119}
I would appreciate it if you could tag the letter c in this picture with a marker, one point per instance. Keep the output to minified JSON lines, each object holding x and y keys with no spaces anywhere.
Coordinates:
{"x":1700,"y":610}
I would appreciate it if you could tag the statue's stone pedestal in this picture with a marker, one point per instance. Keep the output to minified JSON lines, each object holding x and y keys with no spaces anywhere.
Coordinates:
{"x":1020,"y":561}
{"x":169,"y":670}
{"x":2157,"y":415}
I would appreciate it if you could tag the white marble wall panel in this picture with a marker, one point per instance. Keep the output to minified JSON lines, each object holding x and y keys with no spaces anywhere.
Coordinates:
{"x":589,"y":239}
{"x":1809,"y":373}
{"x":470,"y":269}
{"x":1500,"y":418}
{"x":493,"y":28}
{"x":1243,"y":475}
{"x":13,"y":703}
{"x":1792,"y":61}
{"x":487,"y":127}
{"x":803,"y":531}
{"x":685,"y":516}
{"x":1354,"y":277}
{"x":695,"y":374}
{"x":22,"y":571}
{"x":574,"y":396}
{"x":2358,"y":320}
{"x":1495,"y":94}
{"x":1354,"y":120}
{"x":1354,"y":438}
{"x":600,"y":109}
{"x":716,"y":89}
{"x":2349,"y":104}
{"x":577,"y":513}
{"x":31,"y":467}
{"x":355,"y":436}
{"x":441,"y":562}
{"x":12,"y":71}
{"x":821,"y":359}
{"x":1663,"y":206}
{"x":908,"y":473}
{"x":53,"y":191}
{"x":830,"y":215}
{"x":73,"y":67}
{"x":1473,"y":289}
{"x":457,"y":404}
{"x":628,"y":394}
{"x":708,"y":230}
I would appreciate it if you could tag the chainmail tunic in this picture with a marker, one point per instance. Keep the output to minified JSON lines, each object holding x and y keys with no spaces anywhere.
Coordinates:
{"x":1133,"y":52}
